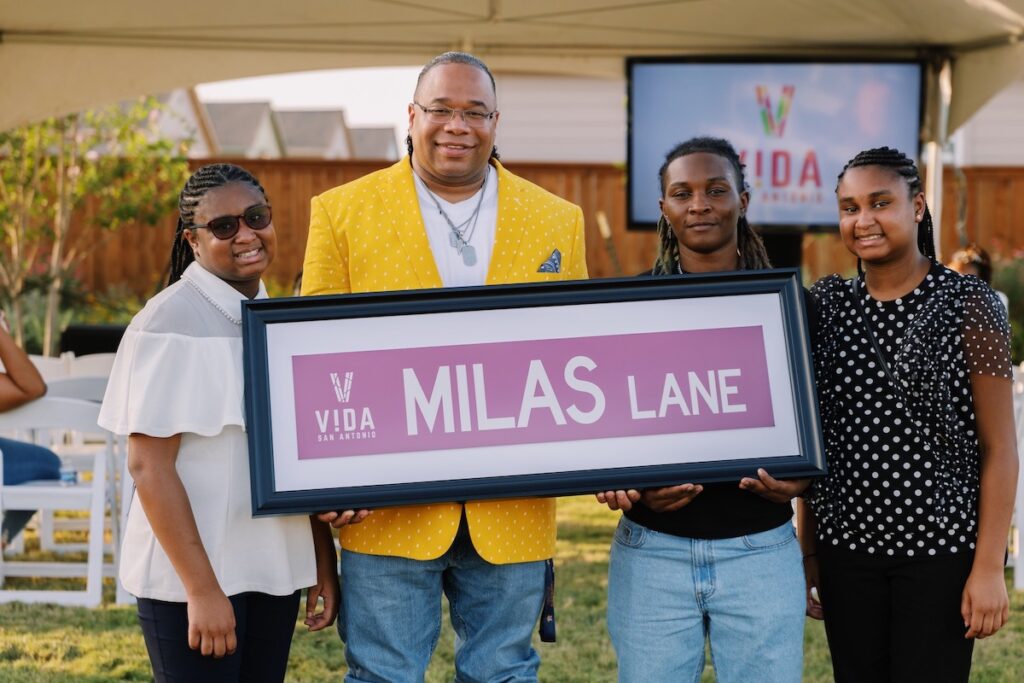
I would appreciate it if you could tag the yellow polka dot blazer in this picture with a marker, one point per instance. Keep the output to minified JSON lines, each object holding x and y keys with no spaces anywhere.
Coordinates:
{"x":368,"y":236}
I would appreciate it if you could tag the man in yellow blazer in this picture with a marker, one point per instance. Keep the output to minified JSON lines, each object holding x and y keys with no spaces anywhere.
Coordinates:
{"x":448,"y":214}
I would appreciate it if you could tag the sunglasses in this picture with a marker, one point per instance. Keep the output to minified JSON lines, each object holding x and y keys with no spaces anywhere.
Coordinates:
{"x":256,"y":217}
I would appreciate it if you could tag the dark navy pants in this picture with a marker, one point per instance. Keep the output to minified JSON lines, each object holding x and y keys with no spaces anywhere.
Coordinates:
{"x":895,"y":618}
{"x":264,"y":625}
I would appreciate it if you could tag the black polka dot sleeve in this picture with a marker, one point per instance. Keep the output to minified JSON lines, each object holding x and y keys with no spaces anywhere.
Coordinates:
{"x":985,"y":331}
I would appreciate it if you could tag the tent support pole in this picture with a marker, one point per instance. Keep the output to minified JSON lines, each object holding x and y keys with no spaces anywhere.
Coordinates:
{"x":943,"y":84}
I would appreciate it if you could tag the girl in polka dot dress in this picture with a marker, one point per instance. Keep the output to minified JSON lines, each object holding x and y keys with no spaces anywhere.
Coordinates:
{"x":904,"y":539}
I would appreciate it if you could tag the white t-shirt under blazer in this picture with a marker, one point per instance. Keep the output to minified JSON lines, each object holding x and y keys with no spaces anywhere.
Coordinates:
{"x":179,"y":371}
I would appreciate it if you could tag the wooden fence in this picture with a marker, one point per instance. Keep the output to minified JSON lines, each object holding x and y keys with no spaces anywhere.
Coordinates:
{"x":136,"y":256}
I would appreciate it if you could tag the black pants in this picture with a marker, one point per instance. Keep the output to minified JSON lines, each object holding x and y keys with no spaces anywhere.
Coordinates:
{"x":264,"y":625}
{"x":895,"y":619}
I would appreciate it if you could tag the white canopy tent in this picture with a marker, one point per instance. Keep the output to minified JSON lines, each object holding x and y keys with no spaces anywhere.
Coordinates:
{"x":63,"y":55}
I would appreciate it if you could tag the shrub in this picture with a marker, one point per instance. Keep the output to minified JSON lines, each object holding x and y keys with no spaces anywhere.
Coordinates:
{"x":1008,"y":278}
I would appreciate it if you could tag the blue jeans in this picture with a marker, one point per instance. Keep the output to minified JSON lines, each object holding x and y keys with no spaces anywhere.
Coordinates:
{"x":24,"y":462}
{"x":666,"y":594}
{"x":390,"y":615}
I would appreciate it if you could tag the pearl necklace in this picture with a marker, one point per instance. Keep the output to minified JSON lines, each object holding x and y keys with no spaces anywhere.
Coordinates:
{"x":202,"y":293}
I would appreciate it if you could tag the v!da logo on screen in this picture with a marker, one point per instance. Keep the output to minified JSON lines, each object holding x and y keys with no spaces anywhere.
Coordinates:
{"x":774,"y":118}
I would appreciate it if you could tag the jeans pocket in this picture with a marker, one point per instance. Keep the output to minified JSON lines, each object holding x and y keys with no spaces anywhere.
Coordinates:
{"x":630,"y":534}
{"x":773,"y":538}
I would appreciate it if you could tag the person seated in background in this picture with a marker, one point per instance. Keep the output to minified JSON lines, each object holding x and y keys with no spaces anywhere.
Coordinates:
{"x":973,"y":260}
{"x":20,"y":382}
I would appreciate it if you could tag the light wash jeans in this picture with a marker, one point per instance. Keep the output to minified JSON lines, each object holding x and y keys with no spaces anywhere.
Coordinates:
{"x":390,"y":615}
{"x":666,"y":594}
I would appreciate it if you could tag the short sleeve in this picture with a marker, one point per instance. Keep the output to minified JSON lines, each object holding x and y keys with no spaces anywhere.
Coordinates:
{"x":986,"y":333}
{"x":164,"y":384}
{"x":821,"y":307}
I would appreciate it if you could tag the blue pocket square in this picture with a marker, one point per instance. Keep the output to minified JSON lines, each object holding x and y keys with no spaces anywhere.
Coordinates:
{"x":553,"y":264}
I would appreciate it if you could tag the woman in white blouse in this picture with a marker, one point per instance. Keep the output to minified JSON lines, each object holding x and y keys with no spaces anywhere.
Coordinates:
{"x":217,"y":589}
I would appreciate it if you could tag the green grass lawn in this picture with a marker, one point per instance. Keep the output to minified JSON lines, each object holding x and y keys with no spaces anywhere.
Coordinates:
{"x":47,"y":643}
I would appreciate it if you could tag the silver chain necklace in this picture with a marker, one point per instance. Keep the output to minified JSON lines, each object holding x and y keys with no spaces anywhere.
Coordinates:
{"x":460,"y":235}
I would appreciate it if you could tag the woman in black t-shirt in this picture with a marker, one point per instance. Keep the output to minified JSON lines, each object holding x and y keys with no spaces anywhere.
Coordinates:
{"x":715,"y":561}
{"x":908,"y":533}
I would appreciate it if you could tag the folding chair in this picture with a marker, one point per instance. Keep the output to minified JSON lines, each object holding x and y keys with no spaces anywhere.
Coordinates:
{"x":51,"y":368}
{"x":77,"y":451}
{"x":90,"y":365}
{"x":84,"y":387}
{"x":50,"y":413}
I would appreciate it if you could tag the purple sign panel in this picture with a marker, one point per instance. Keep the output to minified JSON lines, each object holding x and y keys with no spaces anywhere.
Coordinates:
{"x":538,"y":391}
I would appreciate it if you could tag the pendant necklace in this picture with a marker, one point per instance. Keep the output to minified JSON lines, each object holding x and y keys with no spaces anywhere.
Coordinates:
{"x":460,"y":235}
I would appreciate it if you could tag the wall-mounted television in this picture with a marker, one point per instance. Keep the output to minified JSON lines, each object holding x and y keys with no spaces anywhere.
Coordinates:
{"x":795,"y":123}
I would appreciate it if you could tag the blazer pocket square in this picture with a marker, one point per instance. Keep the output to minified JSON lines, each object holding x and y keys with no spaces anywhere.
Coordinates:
{"x":553,"y":264}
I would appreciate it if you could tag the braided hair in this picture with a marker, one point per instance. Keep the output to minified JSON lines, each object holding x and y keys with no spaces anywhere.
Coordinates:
{"x":752,"y":253}
{"x":903,"y":166}
{"x":202,"y":181}
{"x":454,"y":57}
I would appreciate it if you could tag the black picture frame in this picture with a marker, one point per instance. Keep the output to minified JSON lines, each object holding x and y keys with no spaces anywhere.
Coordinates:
{"x":259,"y":316}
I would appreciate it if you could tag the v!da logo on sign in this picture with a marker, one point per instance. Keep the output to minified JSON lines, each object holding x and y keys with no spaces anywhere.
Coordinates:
{"x":342,"y":389}
{"x":774,"y":118}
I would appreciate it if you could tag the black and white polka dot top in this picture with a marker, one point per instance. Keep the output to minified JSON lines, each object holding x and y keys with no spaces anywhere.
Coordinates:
{"x":903,"y":461}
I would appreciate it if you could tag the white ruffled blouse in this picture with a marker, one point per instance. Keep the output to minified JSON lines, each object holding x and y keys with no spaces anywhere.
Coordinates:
{"x":179,"y":371}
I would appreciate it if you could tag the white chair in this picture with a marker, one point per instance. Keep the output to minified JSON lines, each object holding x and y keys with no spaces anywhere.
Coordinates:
{"x":77,"y":451}
{"x":90,"y":365}
{"x":119,"y":483}
{"x":49,"y":367}
{"x":50,"y":413}
{"x":84,"y":387}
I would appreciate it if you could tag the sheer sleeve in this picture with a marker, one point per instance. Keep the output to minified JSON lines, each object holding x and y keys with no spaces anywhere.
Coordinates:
{"x":822,"y":305}
{"x":986,"y":333}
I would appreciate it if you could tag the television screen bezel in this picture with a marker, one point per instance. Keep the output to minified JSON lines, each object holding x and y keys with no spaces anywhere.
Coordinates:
{"x":771,"y":228}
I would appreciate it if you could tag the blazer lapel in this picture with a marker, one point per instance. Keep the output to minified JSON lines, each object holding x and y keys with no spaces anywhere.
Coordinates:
{"x":402,"y":211}
{"x":510,"y":228}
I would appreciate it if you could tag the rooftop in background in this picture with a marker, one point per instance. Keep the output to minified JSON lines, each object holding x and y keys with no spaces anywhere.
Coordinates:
{"x":374,"y":143}
{"x":316,"y":134}
{"x":374,"y":97}
{"x":246,"y":129}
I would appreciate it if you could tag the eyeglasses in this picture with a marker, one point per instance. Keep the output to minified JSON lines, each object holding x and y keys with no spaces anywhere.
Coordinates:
{"x":256,"y":217}
{"x":472,"y":117}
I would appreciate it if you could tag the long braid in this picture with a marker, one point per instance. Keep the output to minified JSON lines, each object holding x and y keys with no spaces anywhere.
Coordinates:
{"x":752,"y":253}
{"x":904,"y":166}
{"x":668,"y":249}
{"x":202,"y":181}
